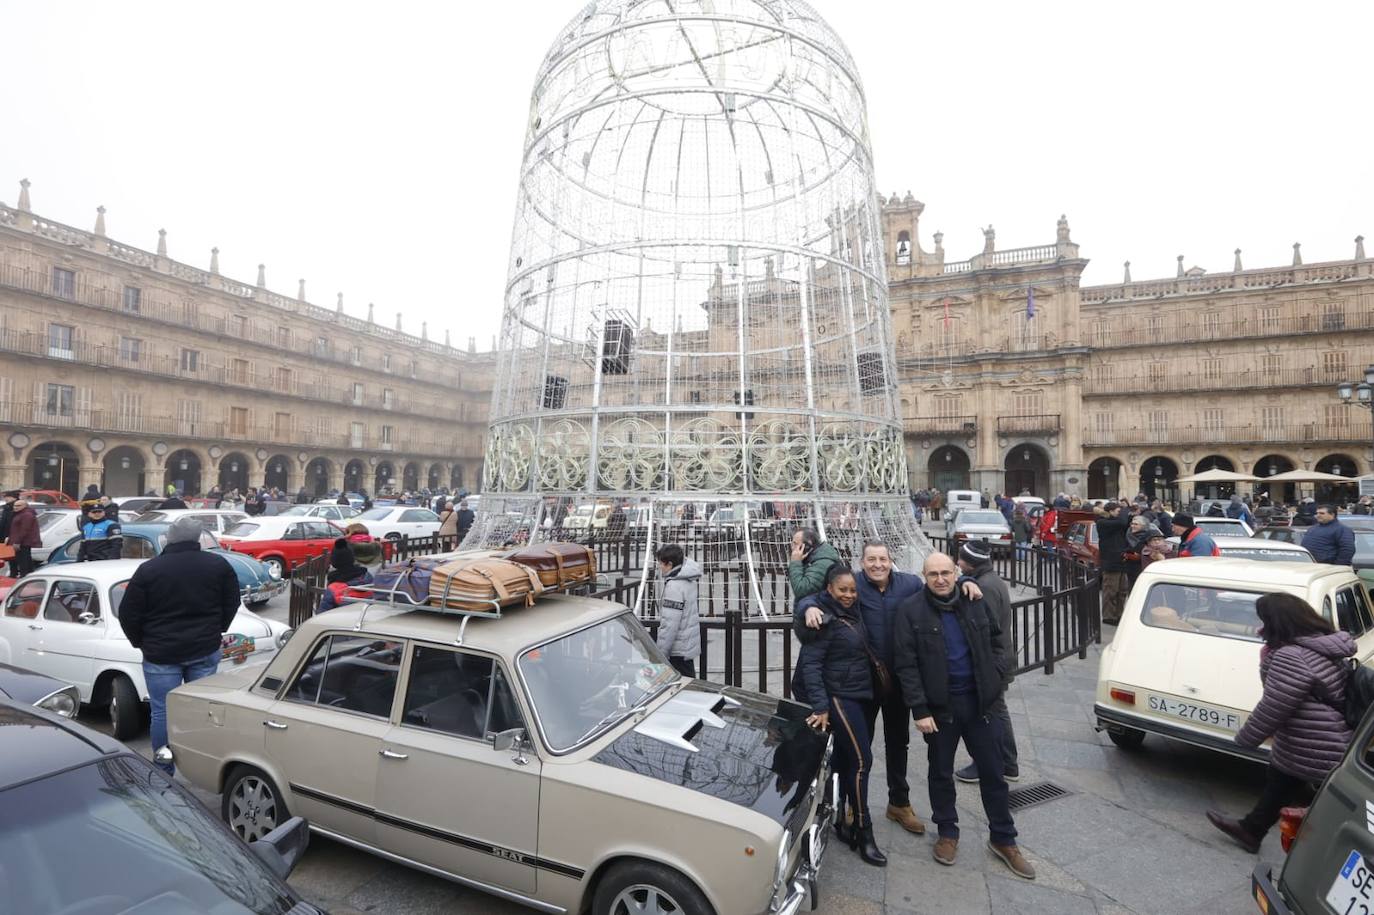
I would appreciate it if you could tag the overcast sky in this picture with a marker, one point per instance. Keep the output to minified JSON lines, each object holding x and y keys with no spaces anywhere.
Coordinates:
{"x":373,"y":149}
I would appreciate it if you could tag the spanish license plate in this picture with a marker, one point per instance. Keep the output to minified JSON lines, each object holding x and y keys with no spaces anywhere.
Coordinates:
{"x":1353,"y":891}
{"x":1196,"y":712}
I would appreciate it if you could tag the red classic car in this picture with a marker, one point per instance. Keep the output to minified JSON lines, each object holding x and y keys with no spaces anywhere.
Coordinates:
{"x":284,"y":541}
{"x":48,"y":497}
{"x":1080,"y":541}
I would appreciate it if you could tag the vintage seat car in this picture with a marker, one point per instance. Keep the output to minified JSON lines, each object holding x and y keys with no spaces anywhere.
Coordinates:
{"x":550,"y":756}
{"x":1185,"y":660}
{"x":145,"y":844}
{"x":62,"y":621}
{"x":259,"y":582}
{"x":395,"y":522}
{"x":329,"y":512}
{"x":980,"y":524}
{"x":282,"y":541}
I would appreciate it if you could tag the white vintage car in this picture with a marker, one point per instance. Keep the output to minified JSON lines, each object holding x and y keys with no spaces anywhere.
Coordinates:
{"x":550,"y":756}
{"x":63,"y":621}
{"x":1185,"y":660}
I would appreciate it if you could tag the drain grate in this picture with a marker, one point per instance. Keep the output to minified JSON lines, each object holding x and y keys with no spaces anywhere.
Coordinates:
{"x":1031,"y":795}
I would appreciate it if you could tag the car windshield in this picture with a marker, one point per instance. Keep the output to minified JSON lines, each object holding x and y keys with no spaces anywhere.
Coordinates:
{"x":1229,"y":613}
{"x":588,"y":680}
{"x":52,"y":519}
{"x":117,"y":597}
{"x":117,"y":836}
{"x":1245,"y":550}
{"x":242,"y":529}
{"x":968,"y":517}
{"x":375,"y":514}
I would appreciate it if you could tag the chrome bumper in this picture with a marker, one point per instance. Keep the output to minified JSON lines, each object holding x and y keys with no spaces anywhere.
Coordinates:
{"x":264,"y":592}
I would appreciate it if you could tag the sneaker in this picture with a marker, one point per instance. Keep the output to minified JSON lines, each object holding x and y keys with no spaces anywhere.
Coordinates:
{"x":906,"y":818}
{"x":1015,"y":861}
{"x":946,"y":850}
{"x":968,"y":774}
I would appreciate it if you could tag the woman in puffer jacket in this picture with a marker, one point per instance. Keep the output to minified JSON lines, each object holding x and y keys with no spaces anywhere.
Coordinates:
{"x":1303,"y":669}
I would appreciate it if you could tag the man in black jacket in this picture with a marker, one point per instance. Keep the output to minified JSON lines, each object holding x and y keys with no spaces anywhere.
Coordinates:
{"x":975,"y":561}
{"x":1112,"y":524}
{"x":950,"y":661}
{"x":176,"y":610}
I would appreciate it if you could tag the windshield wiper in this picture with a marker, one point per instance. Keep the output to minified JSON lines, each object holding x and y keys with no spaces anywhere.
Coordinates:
{"x":611,"y":717}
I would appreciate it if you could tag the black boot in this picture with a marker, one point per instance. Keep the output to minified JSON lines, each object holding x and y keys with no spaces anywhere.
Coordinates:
{"x":868,"y":849}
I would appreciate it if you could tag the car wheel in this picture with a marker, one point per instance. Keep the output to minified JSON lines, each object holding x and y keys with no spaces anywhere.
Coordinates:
{"x":640,"y":887}
{"x":393,"y":536}
{"x":126,"y":711}
{"x":1127,"y":738}
{"x":252,"y":806}
{"x":272,"y":562}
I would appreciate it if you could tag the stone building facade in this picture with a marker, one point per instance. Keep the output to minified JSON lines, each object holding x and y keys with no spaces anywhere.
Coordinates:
{"x":1014,"y":378}
{"x":127,"y":369}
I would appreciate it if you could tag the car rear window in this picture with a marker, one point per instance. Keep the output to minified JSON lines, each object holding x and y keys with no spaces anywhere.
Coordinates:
{"x":242,"y":529}
{"x":1227,"y":612}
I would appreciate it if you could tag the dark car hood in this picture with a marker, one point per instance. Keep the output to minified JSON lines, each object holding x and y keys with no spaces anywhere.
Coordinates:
{"x":26,"y":686}
{"x":765,"y":757}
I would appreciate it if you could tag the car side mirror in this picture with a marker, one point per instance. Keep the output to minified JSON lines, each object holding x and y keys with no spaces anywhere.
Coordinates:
{"x":281,"y":848}
{"x":514,"y":740}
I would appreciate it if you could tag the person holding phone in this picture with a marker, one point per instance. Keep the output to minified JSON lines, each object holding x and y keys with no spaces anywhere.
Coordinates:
{"x":809,"y":562}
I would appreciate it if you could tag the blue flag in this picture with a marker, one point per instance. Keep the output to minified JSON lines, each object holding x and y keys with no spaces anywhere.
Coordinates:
{"x":1030,"y":303}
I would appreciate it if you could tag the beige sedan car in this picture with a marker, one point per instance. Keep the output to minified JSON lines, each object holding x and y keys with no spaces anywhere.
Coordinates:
{"x":551,"y":756}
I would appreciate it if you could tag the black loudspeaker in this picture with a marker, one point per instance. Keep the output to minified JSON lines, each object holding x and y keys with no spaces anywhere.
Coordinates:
{"x":555,"y":392}
{"x":617,"y":343}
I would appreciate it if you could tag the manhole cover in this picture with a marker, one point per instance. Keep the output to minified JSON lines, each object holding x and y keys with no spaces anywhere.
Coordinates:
{"x":1039,"y":793}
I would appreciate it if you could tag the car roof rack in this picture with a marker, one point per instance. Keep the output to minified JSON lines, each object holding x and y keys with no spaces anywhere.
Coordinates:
{"x":402,"y":600}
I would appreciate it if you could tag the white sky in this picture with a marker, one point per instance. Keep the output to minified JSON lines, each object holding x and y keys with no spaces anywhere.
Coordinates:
{"x":373,"y":148}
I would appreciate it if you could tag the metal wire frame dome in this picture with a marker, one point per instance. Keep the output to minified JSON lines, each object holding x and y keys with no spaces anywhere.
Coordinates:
{"x":696,"y":309}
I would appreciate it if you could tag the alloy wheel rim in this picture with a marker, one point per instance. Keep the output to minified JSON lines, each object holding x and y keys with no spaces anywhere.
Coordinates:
{"x":252,"y":809}
{"x":643,"y":899}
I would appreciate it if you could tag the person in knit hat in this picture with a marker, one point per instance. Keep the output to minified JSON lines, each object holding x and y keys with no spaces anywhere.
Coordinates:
{"x":1191,"y":539}
{"x":344,"y":572}
{"x":975,"y":561}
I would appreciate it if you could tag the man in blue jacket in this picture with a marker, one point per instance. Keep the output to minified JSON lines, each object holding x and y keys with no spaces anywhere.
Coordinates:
{"x":100,"y":536}
{"x":1329,"y":540}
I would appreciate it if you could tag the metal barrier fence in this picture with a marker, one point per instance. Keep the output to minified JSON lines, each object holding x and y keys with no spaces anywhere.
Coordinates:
{"x":1061,"y":619}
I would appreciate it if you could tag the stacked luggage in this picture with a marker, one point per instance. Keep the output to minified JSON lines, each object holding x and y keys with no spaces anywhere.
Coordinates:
{"x":486,"y":583}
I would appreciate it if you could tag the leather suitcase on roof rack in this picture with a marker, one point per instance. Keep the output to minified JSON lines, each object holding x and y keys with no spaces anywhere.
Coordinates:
{"x":559,"y":565}
{"x":478,"y":585}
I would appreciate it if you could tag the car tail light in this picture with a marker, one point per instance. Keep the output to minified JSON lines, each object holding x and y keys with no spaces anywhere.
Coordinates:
{"x":1005,"y":537}
{"x":1290,"y":821}
{"x":1123,"y":695}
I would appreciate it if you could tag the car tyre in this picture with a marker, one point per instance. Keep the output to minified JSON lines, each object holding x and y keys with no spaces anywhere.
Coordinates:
{"x":273,"y":562}
{"x":393,"y":536}
{"x":1127,"y":738}
{"x":640,"y":886}
{"x":252,"y":805}
{"x":126,"y":711}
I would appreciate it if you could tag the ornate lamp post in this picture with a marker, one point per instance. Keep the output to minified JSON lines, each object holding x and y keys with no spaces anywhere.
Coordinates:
{"x":1361,"y":395}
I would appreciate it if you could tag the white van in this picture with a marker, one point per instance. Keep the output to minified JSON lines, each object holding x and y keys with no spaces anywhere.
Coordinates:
{"x":956,"y":500}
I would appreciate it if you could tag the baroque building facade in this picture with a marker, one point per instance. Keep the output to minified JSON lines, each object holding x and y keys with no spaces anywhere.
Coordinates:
{"x":126,"y":369}
{"x":1013,"y":377}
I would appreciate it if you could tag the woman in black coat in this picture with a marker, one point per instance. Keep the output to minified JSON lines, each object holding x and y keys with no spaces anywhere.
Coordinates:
{"x":835,"y":680}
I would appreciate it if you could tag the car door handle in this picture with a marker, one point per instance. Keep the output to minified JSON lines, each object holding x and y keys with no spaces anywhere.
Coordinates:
{"x":32,"y":626}
{"x":274,"y":725}
{"x":392,"y":754}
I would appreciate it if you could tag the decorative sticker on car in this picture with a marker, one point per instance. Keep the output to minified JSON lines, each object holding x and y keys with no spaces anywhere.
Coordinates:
{"x":235,"y":647}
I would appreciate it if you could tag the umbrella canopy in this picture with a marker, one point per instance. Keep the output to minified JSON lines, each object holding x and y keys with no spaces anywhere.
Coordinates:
{"x":1308,"y":476}
{"x":1223,"y":476}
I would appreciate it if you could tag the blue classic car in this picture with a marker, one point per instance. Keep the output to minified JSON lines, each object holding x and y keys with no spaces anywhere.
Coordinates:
{"x":258,"y":581}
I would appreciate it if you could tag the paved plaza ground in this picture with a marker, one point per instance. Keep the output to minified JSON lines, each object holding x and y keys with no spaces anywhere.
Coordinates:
{"x":1129,"y":838}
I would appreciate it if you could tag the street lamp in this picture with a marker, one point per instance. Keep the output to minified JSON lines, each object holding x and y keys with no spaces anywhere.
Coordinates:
{"x":1361,"y":395}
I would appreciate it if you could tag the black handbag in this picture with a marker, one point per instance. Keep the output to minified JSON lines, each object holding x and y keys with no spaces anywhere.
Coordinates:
{"x":883,"y":684}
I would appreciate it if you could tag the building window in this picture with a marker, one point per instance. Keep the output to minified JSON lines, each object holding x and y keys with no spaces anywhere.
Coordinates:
{"x":190,"y":360}
{"x":238,"y":326}
{"x":695,"y":398}
{"x":386,"y":362}
{"x":60,"y":338}
{"x":556,"y":392}
{"x":284,"y":337}
{"x":1271,"y":418}
{"x":1029,"y":403}
{"x":324,"y":427}
{"x":903,"y":249}
{"x":356,"y":355}
{"x":1271,"y":364}
{"x":322,"y":347}
{"x":1159,"y":424}
{"x":1333,"y":366}
{"x":130,"y":349}
{"x":1333,"y":316}
{"x":63,"y":283}
{"x":1213,"y":420}
{"x":1154,"y":327}
{"x":188,"y":416}
{"x":284,"y":380}
{"x":128,"y":410}
{"x":61,"y":398}
{"x":238,"y":420}
{"x":133,"y":299}
{"x":949,"y":406}
{"x":356,"y":432}
{"x":1269,"y":319}
{"x":1103,"y":423}
{"x":1101,"y":332}
{"x":388,"y":398}
{"x":413,"y":366}
{"x":871,"y":377}
{"x":357,"y":393}
{"x":281,"y":426}
{"x":1337,"y":417}
{"x":242,"y":371}
{"x":1157,"y":372}
{"x":386,"y":435}
{"x":1211,"y":369}
{"x":1102,"y":373}
{"x":1211,"y":324}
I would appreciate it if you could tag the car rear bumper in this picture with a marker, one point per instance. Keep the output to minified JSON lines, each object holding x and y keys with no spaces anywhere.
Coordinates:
{"x":1266,"y":894}
{"x":264,"y":592}
{"x":1108,"y":718}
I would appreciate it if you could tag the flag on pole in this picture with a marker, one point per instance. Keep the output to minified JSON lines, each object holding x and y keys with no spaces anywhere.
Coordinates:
{"x":1030,"y":303}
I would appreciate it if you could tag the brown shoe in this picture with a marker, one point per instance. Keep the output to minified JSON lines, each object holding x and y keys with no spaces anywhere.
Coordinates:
{"x":906,"y":818}
{"x":946,"y":850}
{"x":1015,"y":861}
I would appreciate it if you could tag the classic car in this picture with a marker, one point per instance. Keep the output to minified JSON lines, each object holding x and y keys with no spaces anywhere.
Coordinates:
{"x":1080,"y":542}
{"x":1286,"y":533}
{"x":340,"y":513}
{"x":56,"y":527}
{"x":1223,"y":527}
{"x":980,"y":524}
{"x":39,"y":690}
{"x":355,"y":500}
{"x":1185,"y":660}
{"x":397,"y":521}
{"x":131,"y":506}
{"x":144,"y":842}
{"x":623,"y":786}
{"x":214,"y":520}
{"x":282,"y":542}
{"x":63,"y":621}
{"x":48,"y":497}
{"x":258,"y":581}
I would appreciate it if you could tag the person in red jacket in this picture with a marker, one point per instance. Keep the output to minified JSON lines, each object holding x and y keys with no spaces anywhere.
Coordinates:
{"x":23,"y":537}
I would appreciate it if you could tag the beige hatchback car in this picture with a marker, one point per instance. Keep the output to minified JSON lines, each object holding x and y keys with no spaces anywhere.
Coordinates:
{"x":551,"y":756}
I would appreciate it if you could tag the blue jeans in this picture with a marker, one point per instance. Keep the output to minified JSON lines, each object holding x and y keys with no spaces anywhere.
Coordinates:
{"x":161,"y":680}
